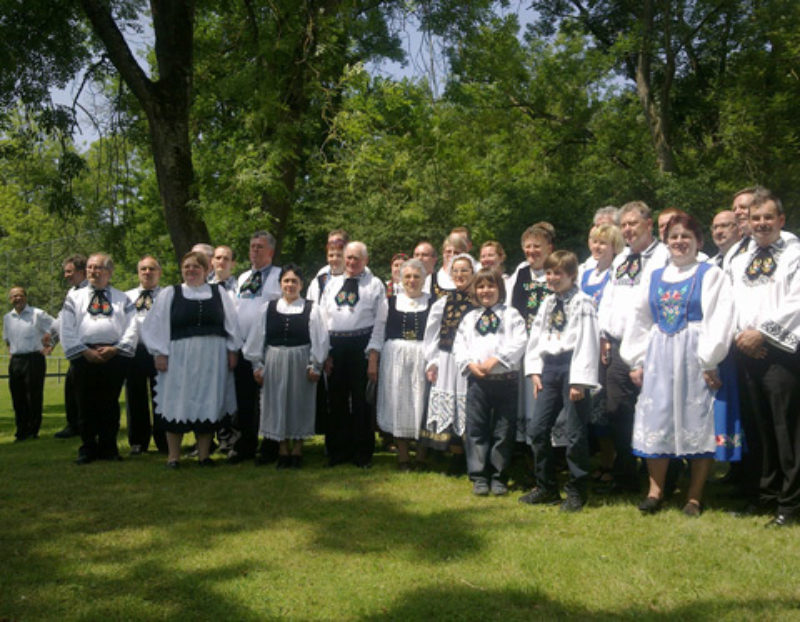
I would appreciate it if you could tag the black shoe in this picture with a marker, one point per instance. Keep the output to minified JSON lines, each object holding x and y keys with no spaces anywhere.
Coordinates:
{"x":207,"y":462}
{"x":284,"y":462}
{"x":649,"y":505}
{"x":783,"y":520}
{"x":693,"y":509}
{"x":173,"y":464}
{"x":296,"y":461}
{"x":480,"y":488}
{"x":234,"y":457}
{"x":757,"y":508}
{"x":458,"y":465}
{"x":541,"y":496}
{"x":84,"y":460}
{"x":573,"y":503}
{"x":67,"y":432}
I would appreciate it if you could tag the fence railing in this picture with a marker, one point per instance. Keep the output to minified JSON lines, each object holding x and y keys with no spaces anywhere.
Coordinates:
{"x":56,"y":367}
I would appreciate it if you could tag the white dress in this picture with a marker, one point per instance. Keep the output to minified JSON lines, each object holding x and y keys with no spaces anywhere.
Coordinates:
{"x":681,"y":326}
{"x":447,"y":403}
{"x":197,"y":388}
{"x":401,"y":377}
{"x":288,"y":397}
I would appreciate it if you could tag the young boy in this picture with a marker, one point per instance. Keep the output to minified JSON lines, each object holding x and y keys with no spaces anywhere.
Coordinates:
{"x":488,"y":350}
{"x":562,"y":358}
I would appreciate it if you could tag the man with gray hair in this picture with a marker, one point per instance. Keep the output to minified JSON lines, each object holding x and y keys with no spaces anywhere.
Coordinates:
{"x":255,"y":288}
{"x":350,"y":305}
{"x":98,"y":333}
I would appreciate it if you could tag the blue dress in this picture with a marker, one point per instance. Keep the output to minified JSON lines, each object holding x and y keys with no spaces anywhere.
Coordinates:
{"x":676,"y":413}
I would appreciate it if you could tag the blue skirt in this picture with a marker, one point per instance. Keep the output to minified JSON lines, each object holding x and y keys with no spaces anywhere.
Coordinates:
{"x":727,"y":415}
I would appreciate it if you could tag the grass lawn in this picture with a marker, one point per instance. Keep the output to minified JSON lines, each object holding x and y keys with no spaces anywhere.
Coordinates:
{"x":135,"y":541}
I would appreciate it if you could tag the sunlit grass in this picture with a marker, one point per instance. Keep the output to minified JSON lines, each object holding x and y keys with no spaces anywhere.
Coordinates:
{"x":135,"y":541}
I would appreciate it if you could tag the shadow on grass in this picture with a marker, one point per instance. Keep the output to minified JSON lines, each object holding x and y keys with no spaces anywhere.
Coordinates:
{"x":474,"y":602}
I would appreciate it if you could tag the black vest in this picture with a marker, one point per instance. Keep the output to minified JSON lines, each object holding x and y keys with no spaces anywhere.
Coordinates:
{"x":528,"y":295}
{"x":193,"y":318}
{"x":408,"y":325}
{"x":287,"y":329}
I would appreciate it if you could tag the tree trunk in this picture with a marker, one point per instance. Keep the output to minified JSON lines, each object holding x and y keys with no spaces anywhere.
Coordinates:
{"x":166,"y":103}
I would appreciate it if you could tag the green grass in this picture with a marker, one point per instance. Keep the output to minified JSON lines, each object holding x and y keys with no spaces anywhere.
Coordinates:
{"x":135,"y":541}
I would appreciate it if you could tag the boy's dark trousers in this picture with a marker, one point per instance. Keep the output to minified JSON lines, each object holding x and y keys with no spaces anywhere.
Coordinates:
{"x":491,"y":426}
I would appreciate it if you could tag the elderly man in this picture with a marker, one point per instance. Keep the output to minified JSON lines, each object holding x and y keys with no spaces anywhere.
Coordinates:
{"x":23,"y":329}
{"x":350,"y":305}
{"x":140,"y":382}
{"x":725,"y":232}
{"x":766,"y":291}
{"x":98,"y":333}
{"x":255,"y":287}
{"x":74,"y":268}
{"x":629,"y":274}
{"x":223,"y":265}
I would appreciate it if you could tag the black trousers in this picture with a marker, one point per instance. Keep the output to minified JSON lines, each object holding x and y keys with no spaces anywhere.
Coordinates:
{"x":71,"y":399}
{"x":350,"y":435}
{"x":621,"y":396}
{"x":247,"y":411}
{"x":773,"y":390}
{"x":140,"y":390}
{"x":26,"y":383}
{"x":97,"y":386}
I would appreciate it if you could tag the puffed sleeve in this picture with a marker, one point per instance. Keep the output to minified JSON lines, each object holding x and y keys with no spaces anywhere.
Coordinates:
{"x":379,"y":328}
{"x":156,"y":332}
{"x":130,"y":337}
{"x":312,"y":293}
{"x":44,"y":321}
{"x":233,"y":340}
{"x":586,"y":354}
{"x":432,"y":330}
{"x":73,"y":347}
{"x":515,"y":338}
{"x":782,"y":326}
{"x":253,"y":349}
{"x":606,"y":307}
{"x":718,"y":323}
{"x":533,"y":357}
{"x":320,"y":343}
{"x":637,"y":328}
{"x":462,"y":353}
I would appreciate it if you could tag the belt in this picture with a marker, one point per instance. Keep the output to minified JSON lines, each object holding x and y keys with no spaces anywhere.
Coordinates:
{"x":361,"y":332}
{"x":505,"y":377}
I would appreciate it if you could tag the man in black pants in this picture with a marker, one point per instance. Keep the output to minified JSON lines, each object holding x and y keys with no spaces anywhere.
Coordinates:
{"x":255,"y":288}
{"x":766,"y":291}
{"x":23,"y":329}
{"x":74,"y":268}
{"x":140,"y":383}
{"x":350,"y":305}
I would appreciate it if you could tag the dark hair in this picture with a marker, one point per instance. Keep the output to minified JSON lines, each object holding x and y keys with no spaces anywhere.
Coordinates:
{"x":491,"y":275}
{"x":565,"y":261}
{"x":200,"y":256}
{"x":292,"y":267}
{"x":78,"y":262}
{"x":689,"y":222}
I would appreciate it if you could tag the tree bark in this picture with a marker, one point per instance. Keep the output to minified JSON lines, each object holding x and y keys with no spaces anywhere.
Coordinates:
{"x":166,"y":103}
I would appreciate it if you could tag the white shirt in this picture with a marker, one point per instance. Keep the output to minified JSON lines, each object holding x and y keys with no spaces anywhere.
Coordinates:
{"x":622,"y":292}
{"x":80,"y":329}
{"x":716,"y":326}
{"x":249,"y":306}
{"x":346,"y":318}
{"x":507,"y":344}
{"x":771,"y":304}
{"x":580,"y":335}
{"x":133,"y":296}
{"x":253,"y":349}
{"x":23,"y":331}
{"x":157,"y":330}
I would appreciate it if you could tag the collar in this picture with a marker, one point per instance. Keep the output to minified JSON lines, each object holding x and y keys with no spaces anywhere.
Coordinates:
{"x":21,"y":313}
{"x":567,"y":295}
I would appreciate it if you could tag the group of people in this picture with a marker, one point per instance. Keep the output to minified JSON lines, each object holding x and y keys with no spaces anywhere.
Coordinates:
{"x":649,"y":349}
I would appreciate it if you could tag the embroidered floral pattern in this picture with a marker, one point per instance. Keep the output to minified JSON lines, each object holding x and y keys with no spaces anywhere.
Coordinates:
{"x":672,"y":303}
